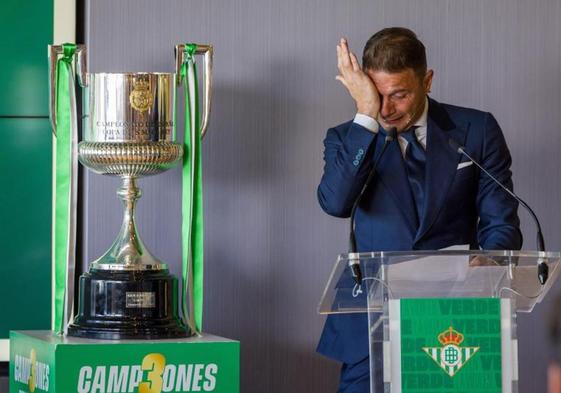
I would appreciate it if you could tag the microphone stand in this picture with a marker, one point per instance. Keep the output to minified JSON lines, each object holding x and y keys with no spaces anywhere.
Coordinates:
{"x":543,"y":269}
{"x":354,"y":261}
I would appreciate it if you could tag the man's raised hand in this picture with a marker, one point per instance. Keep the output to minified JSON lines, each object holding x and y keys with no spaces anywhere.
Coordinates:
{"x":359,"y":85}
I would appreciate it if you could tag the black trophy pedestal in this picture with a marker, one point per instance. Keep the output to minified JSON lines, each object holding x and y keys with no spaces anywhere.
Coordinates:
{"x":116,"y":305}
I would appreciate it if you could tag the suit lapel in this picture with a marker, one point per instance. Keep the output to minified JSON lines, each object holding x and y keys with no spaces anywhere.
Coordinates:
{"x":391,"y":171}
{"x":442,"y":162}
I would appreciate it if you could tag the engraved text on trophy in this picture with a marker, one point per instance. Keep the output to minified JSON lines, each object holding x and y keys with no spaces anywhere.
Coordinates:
{"x":134,"y":130}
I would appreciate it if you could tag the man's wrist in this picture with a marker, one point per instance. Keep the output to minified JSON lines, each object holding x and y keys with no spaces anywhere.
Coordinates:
{"x":367,"y":110}
{"x":367,"y":122}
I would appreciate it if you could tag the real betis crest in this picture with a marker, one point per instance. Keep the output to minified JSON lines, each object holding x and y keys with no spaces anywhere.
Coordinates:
{"x":451,"y":357}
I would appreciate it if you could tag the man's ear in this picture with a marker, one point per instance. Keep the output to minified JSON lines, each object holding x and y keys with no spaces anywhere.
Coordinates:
{"x":427,"y":81}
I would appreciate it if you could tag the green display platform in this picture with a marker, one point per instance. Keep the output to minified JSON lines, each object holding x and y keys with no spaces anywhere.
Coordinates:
{"x":41,"y":361}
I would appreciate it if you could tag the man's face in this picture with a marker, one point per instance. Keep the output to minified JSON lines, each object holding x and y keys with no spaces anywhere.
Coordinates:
{"x":402,"y":96}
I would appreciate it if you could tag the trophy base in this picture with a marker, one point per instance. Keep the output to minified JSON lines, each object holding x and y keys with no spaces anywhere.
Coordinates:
{"x":119,"y":305}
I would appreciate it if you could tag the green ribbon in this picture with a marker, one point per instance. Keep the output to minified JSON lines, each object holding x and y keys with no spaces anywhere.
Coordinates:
{"x":192,"y":197}
{"x":62,"y":185}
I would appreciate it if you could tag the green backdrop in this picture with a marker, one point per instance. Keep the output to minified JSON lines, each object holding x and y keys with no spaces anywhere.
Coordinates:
{"x":25,"y":165}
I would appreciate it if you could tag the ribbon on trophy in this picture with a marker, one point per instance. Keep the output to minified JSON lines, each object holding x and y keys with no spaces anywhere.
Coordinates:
{"x":65,"y":169}
{"x":192,"y":229}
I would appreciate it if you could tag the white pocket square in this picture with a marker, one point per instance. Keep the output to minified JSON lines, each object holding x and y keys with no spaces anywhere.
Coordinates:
{"x":464,"y":164}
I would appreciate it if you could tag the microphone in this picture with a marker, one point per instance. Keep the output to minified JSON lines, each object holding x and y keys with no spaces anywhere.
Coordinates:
{"x":354,"y":261}
{"x":543,"y":269}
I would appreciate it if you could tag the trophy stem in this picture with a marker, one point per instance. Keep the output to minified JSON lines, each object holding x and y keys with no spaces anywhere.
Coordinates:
{"x":129,"y":193}
{"x":128,"y":252}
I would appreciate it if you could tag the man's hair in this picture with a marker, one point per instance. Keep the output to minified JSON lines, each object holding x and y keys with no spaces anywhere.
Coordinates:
{"x":395,"y":49}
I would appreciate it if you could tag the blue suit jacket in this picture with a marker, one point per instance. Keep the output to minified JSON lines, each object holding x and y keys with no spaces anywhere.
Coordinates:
{"x":462,"y":206}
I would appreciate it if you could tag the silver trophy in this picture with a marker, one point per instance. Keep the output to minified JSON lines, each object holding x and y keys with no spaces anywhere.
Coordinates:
{"x":129,"y":131}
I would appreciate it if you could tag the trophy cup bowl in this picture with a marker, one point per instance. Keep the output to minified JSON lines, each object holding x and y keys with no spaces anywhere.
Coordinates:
{"x":129,"y":131}
{"x":129,"y":158}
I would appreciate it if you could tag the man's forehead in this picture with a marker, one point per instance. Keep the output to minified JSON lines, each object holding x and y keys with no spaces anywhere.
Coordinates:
{"x":392,"y":82}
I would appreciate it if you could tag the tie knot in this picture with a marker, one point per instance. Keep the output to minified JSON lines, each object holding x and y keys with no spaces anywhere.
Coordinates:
{"x":410,"y":135}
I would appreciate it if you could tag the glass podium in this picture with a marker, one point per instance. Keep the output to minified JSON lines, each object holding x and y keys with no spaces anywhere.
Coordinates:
{"x":441,"y":321}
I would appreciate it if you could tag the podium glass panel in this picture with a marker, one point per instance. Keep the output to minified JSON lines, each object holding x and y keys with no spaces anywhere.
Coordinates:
{"x":482,"y":290}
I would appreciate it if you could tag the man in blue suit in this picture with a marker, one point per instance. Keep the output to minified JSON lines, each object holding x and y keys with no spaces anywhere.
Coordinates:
{"x":425,"y":196}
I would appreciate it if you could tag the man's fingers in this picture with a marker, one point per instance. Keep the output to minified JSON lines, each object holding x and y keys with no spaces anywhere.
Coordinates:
{"x":482,"y":261}
{"x":475,"y":262}
{"x":345,"y":60}
{"x":339,"y":56}
{"x":344,"y":52}
{"x":354,"y":62}
{"x":344,"y":46}
{"x":340,"y":60}
{"x":344,"y":69}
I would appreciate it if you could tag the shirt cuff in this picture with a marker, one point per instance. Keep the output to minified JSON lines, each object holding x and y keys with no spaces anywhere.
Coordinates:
{"x":367,"y":122}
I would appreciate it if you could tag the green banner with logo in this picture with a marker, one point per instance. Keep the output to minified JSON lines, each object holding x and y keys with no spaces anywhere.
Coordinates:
{"x":451,"y":345}
{"x":43,"y":362}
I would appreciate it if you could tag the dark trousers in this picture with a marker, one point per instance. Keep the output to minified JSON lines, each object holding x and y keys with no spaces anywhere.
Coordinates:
{"x":355,"y":378}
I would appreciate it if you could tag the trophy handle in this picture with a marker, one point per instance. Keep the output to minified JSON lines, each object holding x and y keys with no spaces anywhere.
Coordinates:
{"x":82,"y":65}
{"x":207,"y":51}
{"x":54,"y":51}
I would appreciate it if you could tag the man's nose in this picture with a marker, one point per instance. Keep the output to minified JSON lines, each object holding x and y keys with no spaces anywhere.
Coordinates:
{"x":387,"y":108}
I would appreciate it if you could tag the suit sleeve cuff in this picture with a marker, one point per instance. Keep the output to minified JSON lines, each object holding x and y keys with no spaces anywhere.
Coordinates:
{"x":356,"y":144}
{"x":367,"y":122}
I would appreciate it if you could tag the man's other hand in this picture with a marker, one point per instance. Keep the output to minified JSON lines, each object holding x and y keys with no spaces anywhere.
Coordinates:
{"x":481,"y":260}
{"x":359,"y":85}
